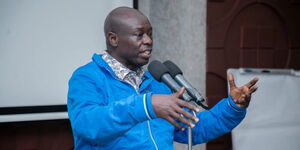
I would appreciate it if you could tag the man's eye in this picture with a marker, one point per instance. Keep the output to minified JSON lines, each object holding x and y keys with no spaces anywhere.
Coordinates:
{"x":139,"y":34}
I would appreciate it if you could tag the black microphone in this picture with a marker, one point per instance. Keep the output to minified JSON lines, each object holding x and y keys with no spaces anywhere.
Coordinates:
{"x":177,"y":74}
{"x":161,"y":74}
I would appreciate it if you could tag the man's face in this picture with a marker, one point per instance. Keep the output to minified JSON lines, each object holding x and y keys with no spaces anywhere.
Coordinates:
{"x":135,"y":42}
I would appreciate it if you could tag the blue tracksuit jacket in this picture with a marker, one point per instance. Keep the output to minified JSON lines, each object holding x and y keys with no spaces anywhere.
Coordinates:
{"x":107,"y":113}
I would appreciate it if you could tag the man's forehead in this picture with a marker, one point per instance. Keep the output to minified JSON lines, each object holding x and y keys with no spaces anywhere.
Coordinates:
{"x":134,"y":22}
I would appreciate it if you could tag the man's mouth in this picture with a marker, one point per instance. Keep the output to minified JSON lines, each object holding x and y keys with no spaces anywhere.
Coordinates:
{"x":147,"y":53}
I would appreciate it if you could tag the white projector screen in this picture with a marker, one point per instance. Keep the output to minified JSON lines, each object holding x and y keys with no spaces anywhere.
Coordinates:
{"x":41,"y":43}
{"x":272,"y":121}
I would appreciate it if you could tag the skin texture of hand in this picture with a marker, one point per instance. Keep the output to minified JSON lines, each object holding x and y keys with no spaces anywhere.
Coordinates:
{"x":169,"y":107}
{"x":241,"y":95}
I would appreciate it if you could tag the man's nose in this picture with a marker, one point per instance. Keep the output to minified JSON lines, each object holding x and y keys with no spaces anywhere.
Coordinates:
{"x":147,"y":39}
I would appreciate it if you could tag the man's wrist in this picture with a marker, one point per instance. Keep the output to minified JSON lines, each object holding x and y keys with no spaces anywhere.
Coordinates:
{"x":235,"y":106}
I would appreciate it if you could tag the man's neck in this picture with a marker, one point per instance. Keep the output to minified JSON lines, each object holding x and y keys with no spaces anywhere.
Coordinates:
{"x":131,"y":67}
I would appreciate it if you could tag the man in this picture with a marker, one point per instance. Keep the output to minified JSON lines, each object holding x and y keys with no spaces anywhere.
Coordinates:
{"x":114,"y":104}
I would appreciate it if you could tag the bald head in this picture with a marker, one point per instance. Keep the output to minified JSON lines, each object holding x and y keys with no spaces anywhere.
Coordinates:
{"x":115,"y":19}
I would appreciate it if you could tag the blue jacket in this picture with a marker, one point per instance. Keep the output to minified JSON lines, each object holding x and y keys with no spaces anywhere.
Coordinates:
{"x":107,"y":113}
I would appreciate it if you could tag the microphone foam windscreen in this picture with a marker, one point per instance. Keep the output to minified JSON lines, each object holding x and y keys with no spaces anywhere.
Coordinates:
{"x":157,"y":69}
{"x":173,"y":68}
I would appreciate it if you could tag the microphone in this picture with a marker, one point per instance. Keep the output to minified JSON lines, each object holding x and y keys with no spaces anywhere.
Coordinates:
{"x":177,"y":74}
{"x":161,"y":74}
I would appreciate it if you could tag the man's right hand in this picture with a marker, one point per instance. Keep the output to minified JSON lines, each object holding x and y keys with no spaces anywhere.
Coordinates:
{"x":169,"y":107}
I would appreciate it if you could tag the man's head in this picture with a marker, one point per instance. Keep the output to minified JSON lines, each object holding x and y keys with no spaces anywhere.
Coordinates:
{"x":128,"y":37}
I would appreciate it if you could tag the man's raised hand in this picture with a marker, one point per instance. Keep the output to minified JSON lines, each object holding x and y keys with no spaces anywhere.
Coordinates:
{"x":241,"y":95}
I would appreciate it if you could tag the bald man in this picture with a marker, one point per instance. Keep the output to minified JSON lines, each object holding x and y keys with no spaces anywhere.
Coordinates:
{"x":114,"y":104}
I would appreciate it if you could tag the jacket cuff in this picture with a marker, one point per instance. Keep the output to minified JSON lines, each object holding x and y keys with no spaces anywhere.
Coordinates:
{"x":143,"y":110}
{"x":149,"y":106}
{"x":234,"y":107}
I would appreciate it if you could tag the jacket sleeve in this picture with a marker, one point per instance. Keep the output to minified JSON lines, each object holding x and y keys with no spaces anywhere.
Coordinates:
{"x":96,"y":120}
{"x":220,"y":119}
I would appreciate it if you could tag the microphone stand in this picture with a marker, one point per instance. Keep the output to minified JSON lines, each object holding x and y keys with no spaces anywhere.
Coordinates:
{"x":190,"y":135}
{"x":190,"y":138}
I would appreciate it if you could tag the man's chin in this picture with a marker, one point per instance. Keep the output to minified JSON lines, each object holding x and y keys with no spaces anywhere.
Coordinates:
{"x":143,"y":62}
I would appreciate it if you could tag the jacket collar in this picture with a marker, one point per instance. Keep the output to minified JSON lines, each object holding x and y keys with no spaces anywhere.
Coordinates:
{"x":147,"y":78}
{"x":97,"y":58}
{"x":120,"y":70}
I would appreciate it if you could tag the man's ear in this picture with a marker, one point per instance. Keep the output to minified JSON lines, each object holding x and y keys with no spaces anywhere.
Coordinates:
{"x":113,"y":39}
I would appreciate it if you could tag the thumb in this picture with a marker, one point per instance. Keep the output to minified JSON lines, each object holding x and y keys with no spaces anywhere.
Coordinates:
{"x":231,"y":80}
{"x":180,"y":92}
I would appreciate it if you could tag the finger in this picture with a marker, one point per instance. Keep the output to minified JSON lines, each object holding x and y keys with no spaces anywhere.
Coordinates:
{"x":180,"y":92}
{"x":182,"y":119}
{"x":186,"y":114}
{"x":245,"y":90}
{"x":252,"y":82}
{"x":230,"y":80}
{"x":172,"y":121}
{"x":253,"y":89}
{"x":187,"y":105}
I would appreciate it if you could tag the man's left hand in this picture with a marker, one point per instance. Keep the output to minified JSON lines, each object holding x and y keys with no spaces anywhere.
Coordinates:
{"x":241,"y":95}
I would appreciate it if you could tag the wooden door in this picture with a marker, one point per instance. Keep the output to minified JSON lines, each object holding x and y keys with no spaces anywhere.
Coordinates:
{"x":248,"y":33}
{"x":36,"y":135}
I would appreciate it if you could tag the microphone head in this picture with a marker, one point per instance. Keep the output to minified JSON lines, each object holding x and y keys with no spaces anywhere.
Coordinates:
{"x":157,"y":69}
{"x":173,"y":68}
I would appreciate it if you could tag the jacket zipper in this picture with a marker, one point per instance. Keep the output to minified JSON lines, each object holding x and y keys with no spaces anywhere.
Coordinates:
{"x":149,"y":127}
{"x":148,"y":122}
